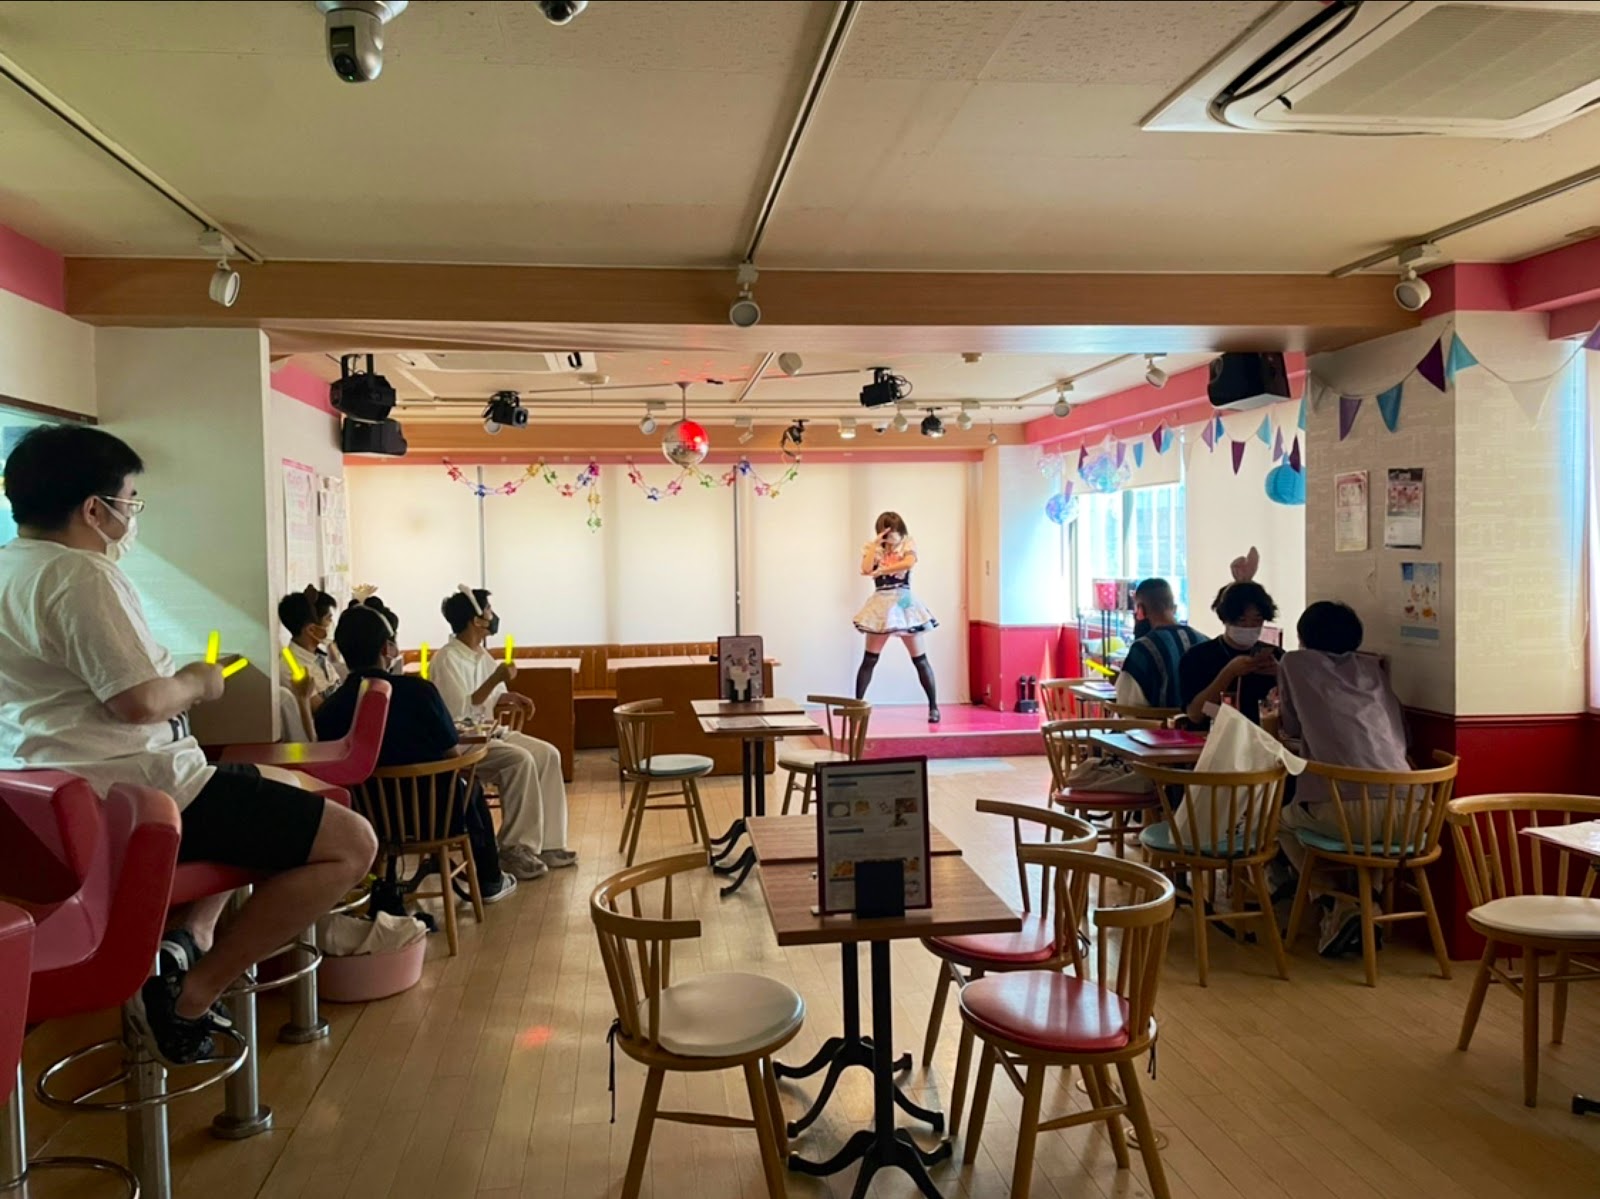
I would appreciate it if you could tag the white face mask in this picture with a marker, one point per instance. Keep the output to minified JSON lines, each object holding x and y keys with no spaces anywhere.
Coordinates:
{"x":117,"y":547}
{"x":1243,"y":638}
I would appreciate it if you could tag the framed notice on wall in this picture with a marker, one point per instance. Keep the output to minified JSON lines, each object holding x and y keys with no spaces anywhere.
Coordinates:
{"x":739,"y":668}
{"x":1350,"y":512}
{"x":872,"y":812}
{"x":1402,"y":509}
{"x":299,"y":527}
{"x":335,"y":540}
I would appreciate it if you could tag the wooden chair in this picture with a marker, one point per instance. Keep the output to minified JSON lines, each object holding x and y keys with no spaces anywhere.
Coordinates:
{"x":1389,"y":823}
{"x":704,"y":1023}
{"x":1059,"y":703}
{"x":1235,"y":832}
{"x":1100,"y":1016}
{"x":422,"y":810}
{"x":1067,"y":744}
{"x":847,"y":721}
{"x":1048,"y":939}
{"x":641,"y":767}
{"x":513,"y":718}
{"x":1519,"y":902}
{"x":1163,"y":716}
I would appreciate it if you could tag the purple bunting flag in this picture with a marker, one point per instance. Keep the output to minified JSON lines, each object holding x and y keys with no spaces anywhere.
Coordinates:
{"x":1122,"y":454}
{"x":1294,"y":455}
{"x":1592,"y":342}
{"x":1083,"y":457}
{"x":1238,"y":456}
{"x":1431,"y":367}
{"x":1349,"y":407}
{"x":1277,"y":446}
{"x":1159,"y":439}
{"x":1209,"y":436}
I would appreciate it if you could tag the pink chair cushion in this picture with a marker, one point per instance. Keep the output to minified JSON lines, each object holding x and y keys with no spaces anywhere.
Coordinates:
{"x":16,"y":966}
{"x":1035,"y":942}
{"x":1044,"y":1010}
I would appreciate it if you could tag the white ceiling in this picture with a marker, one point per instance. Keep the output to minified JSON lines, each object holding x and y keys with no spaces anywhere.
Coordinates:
{"x":957,"y":135}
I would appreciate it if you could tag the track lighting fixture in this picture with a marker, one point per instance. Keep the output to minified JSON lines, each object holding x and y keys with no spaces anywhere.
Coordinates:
{"x":745,"y":313}
{"x":932,"y":426}
{"x":789,"y":364}
{"x":794,"y":435}
{"x":964,"y":422}
{"x":994,"y":438}
{"x":901,"y":424}
{"x":224,"y":287}
{"x":647,"y":426}
{"x":746,"y":427}
{"x":847,"y":428}
{"x":1153,"y":374}
{"x":1412,"y":293}
{"x":1062,"y":408}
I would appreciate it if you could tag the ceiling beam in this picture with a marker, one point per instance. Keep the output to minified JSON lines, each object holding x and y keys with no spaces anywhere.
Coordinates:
{"x":819,"y":310}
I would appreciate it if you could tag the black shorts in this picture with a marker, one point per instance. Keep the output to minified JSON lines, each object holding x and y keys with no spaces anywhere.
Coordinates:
{"x":241,"y":819}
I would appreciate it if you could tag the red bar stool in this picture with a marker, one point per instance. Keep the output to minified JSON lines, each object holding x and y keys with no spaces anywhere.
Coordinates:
{"x":99,"y":875}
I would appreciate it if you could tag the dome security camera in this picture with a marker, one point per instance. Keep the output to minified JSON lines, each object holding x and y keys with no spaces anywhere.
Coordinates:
{"x":355,"y":35}
{"x":561,"y":12}
{"x":1412,"y":293}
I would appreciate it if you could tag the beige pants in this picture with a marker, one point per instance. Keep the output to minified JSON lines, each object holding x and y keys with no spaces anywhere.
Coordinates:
{"x":533,"y":797}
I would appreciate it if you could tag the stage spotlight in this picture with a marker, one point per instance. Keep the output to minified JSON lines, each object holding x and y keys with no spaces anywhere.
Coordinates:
{"x":224,"y":286}
{"x":1153,"y":374}
{"x":504,"y":409}
{"x":847,"y":429}
{"x":886,"y":388}
{"x":1062,"y":408}
{"x":932,"y":426}
{"x":747,"y":429}
{"x":745,"y":313}
{"x":790,"y":364}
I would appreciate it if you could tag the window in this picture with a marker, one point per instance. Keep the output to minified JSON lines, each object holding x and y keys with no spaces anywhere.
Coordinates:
{"x":1133,"y":534}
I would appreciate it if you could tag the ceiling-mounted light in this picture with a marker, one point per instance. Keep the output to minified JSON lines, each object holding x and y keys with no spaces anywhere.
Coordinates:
{"x":789,"y":364}
{"x":1153,"y":374}
{"x":647,"y":424}
{"x":1062,"y":408}
{"x":965,"y":420}
{"x":225,"y":282}
{"x":504,"y":409}
{"x":746,"y":427}
{"x":745,"y":313}
{"x":1411,"y":293}
{"x":994,"y":438}
{"x":847,"y":428}
{"x":932,"y":426}
{"x":901,"y":424}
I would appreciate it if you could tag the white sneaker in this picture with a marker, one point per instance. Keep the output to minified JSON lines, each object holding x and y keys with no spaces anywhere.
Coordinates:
{"x":557,"y":859}
{"x":522,"y":863}
{"x":508,"y":884}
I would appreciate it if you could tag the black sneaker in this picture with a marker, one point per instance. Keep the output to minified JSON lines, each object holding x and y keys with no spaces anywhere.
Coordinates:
{"x":177,"y":1041}
{"x":178,"y":954}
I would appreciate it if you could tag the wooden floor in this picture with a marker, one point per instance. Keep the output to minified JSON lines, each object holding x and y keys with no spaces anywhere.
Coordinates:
{"x":489,"y":1079}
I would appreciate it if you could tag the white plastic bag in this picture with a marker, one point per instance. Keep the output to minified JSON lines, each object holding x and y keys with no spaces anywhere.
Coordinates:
{"x":343,"y":936}
{"x":1234,"y":745}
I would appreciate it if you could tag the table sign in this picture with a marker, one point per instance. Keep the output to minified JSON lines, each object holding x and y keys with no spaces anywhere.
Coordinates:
{"x":872,"y":812}
{"x":739,"y":668}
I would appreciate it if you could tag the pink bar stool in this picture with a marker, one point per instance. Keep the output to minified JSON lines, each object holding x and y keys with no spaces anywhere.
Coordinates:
{"x":98,"y":875}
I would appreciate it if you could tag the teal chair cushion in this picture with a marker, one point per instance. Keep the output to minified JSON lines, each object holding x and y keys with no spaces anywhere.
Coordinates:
{"x":1159,"y":838}
{"x":677,"y":766}
{"x":1333,"y":843}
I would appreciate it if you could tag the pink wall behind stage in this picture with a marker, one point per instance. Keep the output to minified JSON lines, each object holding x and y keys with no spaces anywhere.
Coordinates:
{"x":998,"y":655}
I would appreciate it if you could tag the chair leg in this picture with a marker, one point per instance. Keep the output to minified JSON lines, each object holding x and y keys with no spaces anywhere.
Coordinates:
{"x":1028,"y":1131}
{"x":1258,"y":878}
{"x":697,"y":825}
{"x":1530,"y":1026}
{"x":1198,"y":896}
{"x":958,"y":1089}
{"x":1435,"y":930}
{"x":788,"y":792}
{"x":941,"y":992}
{"x":1558,"y":1009}
{"x":808,"y":794}
{"x":473,"y":889}
{"x":1480,"y":988}
{"x":780,"y":1127}
{"x":1098,"y":1084}
{"x":630,"y":813}
{"x":1134,"y":1097}
{"x":762,"y":1115}
{"x":1369,"y":928}
{"x":641,"y":1134}
{"x":1302,"y":899}
{"x":980,"y":1103}
{"x":448,"y":896}
{"x":641,"y":798}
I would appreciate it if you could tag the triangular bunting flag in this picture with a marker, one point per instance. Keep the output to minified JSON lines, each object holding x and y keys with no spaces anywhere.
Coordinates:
{"x":1159,"y":439}
{"x":1122,"y":454}
{"x":1265,"y":431}
{"x":1221,"y":431}
{"x":1592,"y":342}
{"x":1530,"y":395}
{"x":1083,"y":457}
{"x":1066,"y":489}
{"x":1138,"y":455}
{"x":1300,"y":423}
{"x":1209,"y":435}
{"x":1431,"y":367}
{"x":1238,"y":456}
{"x":1460,"y":358}
{"x":1389,"y":406}
{"x":1294,"y":455}
{"x":1349,"y":407}
{"x":1277,"y":446}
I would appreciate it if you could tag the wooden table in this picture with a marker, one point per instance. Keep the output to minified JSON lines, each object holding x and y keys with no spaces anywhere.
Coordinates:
{"x":786,"y":839}
{"x":757,"y":707}
{"x":1582,"y":839}
{"x":963,"y":904}
{"x":1125,"y":747}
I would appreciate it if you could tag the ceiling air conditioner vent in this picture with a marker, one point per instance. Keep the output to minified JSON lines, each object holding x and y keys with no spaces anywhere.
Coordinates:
{"x":1472,"y":68}
{"x":499,"y":362}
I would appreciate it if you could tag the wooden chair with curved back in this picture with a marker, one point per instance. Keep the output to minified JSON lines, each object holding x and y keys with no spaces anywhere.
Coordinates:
{"x":1048,"y":940}
{"x":1520,"y":901}
{"x":704,"y":1023}
{"x":846,"y":721}
{"x":1388,"y":823}
{"x":421,"y":810}
{"x":1098,"y":1017}
{"x":1229,"y":826}
{"x":643,"y":767}
{"x":1059,"y":703}
{"x":1067,"y":744}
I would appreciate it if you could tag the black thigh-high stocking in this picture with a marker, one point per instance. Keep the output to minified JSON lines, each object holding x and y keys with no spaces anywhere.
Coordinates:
{"x":869,"y":663}
{"x":925,"y":677}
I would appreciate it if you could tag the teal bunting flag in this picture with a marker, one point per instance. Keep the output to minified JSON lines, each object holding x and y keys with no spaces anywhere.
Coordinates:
{"x":1301,"y":422}
{"x":1460,"y":358}
{"x":1138,"y":454}
{"x":1220,"y":430}
{"x":1264,"y":433}
{"x":1389,"y":406}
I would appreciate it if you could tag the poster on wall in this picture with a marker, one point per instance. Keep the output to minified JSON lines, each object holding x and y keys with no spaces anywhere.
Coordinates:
{"x":739,"y":668}
{"x":335,"y":540}
{"x":299,"y":526}
{"x":1419,"y":603}
{"x":1350,"y":512}
{"x":872,"y":812}
{"x":1402,"y":509}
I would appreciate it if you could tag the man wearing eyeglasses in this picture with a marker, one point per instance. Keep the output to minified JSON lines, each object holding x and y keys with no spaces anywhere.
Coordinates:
{"x":88,"y":690}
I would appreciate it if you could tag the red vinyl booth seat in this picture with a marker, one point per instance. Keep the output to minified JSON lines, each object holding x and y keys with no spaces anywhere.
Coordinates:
{"x":342,"y":763}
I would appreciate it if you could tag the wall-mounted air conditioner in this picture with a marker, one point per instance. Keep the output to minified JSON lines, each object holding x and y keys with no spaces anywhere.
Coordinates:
{"x":1468,"y":68}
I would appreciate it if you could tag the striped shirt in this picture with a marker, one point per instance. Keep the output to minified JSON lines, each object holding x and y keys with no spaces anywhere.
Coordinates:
{"x":1152,"y":664}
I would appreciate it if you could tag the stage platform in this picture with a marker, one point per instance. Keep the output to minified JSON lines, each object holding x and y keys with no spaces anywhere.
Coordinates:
{"x":966,"y":731}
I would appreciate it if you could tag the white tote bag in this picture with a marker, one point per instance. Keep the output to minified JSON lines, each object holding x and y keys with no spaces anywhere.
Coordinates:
{"x":1234,"y":745}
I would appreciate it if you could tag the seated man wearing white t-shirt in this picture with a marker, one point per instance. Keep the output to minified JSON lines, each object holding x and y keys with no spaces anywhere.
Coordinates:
{"x":88,"y":690}
{"x":525,"y":770}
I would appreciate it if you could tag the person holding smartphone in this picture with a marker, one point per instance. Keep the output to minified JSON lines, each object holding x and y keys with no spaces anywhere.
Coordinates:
{"x":1237,"y":667}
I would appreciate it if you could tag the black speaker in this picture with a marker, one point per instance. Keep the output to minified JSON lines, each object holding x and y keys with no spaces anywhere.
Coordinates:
{"x":1242,"y":381}
{"x":368,"y":437}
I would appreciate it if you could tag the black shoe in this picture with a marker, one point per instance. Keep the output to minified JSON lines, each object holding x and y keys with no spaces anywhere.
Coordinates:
{"x":933,"y":715}
{"x":178,"y":954}
{"x":177,"y":1041}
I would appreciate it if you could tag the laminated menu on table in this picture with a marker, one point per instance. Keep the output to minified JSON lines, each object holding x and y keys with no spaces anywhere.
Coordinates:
{"x":872,"y":811}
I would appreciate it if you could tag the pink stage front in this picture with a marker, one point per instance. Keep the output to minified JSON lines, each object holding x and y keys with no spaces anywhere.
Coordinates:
{"x":967,"y":731}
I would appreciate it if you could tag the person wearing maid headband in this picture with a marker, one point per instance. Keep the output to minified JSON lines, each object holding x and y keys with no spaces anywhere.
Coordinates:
{"x":525,"y":770}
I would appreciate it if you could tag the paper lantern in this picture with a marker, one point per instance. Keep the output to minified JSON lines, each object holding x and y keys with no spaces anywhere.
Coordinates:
{"x":685,"y":444}
{"x":1285,"y":485}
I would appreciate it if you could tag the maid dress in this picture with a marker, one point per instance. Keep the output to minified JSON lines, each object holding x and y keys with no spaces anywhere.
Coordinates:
{"x":893,"y":609}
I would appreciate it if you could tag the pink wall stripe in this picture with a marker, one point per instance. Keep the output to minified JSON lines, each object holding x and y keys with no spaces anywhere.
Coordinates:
{"x":32,"y":271}
{"x":300,"y":384}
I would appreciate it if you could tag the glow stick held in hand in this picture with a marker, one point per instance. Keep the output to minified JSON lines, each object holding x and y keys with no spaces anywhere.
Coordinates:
{"x":213,"y":647}
{"x":422,"y":661}
{"x":234,"y":667}
{"x":296,"y":671}
{"x":509,"y":645}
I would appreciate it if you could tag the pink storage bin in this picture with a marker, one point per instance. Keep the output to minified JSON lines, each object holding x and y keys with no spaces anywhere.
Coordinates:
{"x":368,"y":976}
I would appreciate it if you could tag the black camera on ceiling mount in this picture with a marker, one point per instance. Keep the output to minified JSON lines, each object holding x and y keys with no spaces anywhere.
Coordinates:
{"x":504,"y":410}
{"x":886,"y":388}
{"x":361,"y":395}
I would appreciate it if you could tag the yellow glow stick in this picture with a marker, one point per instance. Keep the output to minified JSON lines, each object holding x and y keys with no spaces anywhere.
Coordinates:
{"x":296,"y":671}
{"x":1093,"y":665}
{"x":508,"y":651}
{"x":213,"y":646}
{"x":422,"y":661}
{"x":234,"y":667}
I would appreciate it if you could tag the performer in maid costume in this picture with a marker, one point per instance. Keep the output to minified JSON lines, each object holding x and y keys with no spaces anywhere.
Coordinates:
{"x":893,"y":611}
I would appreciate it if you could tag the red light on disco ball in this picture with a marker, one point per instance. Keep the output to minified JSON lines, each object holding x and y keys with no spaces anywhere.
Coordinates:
{"x":685,"y":444}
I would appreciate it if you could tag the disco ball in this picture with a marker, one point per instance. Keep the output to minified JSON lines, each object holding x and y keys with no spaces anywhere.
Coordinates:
{"x":685,"y":444}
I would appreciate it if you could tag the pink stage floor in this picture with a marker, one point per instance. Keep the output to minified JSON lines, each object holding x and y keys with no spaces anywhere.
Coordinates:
{"x":967,"y":731}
